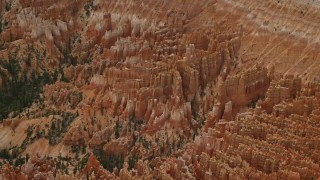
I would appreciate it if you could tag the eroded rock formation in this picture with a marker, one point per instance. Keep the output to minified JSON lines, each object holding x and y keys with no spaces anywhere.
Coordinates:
{"x":93,"y":89}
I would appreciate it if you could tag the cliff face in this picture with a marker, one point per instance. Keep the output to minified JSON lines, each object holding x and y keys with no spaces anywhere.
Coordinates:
{"x":159,"y":89}
{"x":275,"y":144}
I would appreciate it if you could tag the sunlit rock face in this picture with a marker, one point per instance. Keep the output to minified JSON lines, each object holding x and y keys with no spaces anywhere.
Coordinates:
{"x":94,"y":89}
